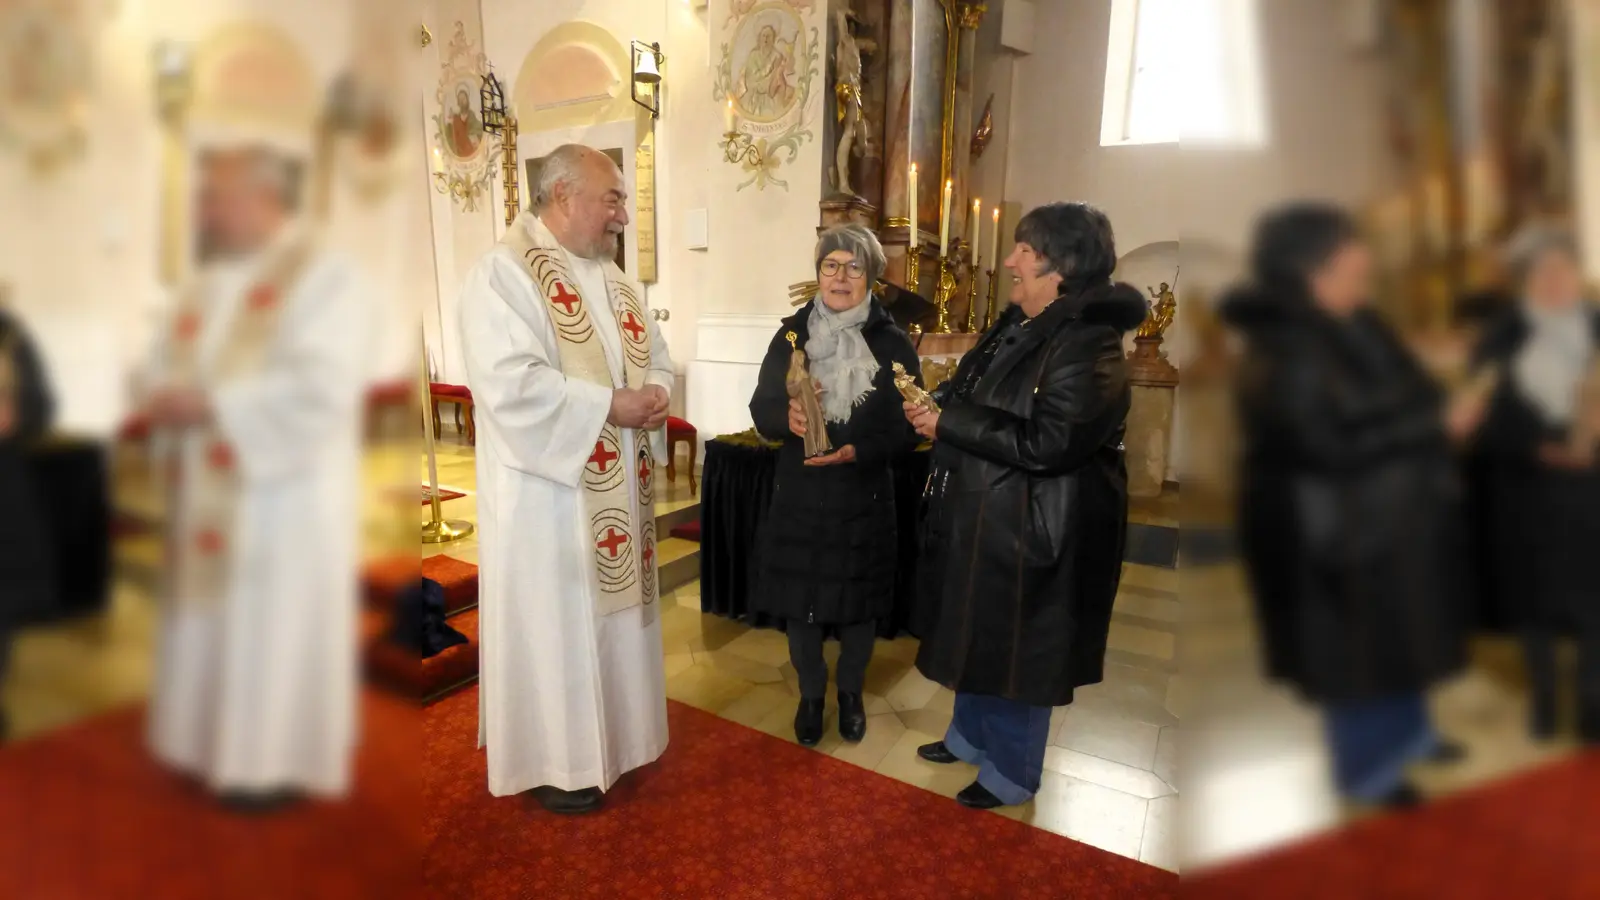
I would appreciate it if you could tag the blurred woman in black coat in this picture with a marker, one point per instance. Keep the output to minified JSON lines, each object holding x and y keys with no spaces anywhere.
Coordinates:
{"x":26,"y":566}
{"x":1538,"y":498}
{"x":828,"y":548}
{"x":1028,"y":503}
{"x":1348,"y":500}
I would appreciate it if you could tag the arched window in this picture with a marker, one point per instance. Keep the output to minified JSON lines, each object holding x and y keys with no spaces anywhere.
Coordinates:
{"x":1183,"y":69}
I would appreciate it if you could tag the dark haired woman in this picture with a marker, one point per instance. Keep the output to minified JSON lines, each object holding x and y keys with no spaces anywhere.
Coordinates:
{"x":1348,"y":500}
{"x":1028,"y":503}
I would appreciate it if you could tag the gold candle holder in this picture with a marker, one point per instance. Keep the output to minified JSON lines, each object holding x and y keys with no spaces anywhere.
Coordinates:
{"x":972,"y":298}
{"x":913,"y":268}
{"x":994,"y":285}
{"x":941,"y":296}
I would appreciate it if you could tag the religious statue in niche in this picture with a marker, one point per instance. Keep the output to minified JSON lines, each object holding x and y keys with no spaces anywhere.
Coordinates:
{"x":766,"y":72}
{"x":464,"y":155}
{"x":852,"y":115}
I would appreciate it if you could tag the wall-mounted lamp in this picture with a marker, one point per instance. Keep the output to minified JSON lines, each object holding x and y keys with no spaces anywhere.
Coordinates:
{"x":174,"y":83}
{"x":647,"y":60}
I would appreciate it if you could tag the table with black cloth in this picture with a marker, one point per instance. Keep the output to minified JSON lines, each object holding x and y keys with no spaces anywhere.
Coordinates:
{"x":735,"y":492}
{"x":73,"y":485}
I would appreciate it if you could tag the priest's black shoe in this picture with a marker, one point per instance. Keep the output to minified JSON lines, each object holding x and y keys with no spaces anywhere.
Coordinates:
{"x":258,"y":803}
{"x":569,"y":803}
{"x":852,"y":717}
{"x":808,"y":722}
{"x":937,"y":752}
{"x":1406,"y":796}
{"x":976,"y":796}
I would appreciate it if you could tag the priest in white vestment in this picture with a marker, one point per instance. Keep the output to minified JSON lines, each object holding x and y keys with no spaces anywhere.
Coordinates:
{"x":570,"y":379}
{"x":255,"y":403}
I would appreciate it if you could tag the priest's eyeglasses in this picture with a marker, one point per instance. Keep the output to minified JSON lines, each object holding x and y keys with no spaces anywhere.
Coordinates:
{"x":830,"y":268}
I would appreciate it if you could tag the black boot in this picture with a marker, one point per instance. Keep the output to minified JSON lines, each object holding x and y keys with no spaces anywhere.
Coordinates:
{"x":852,"y":717}
{"x":1406,"y":796}
{"x":808,"y":722}
{"x":569,"y":803}
{"x":1447,"y":751}
{"x":937,"y":752}
{"x":259,"y":803}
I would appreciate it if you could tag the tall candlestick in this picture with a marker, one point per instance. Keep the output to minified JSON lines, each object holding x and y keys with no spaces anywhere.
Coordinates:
{"x":944,"y":221}
{"x":994,"y":248}
{"x":912,"y":187}
{"x":975,"y":227}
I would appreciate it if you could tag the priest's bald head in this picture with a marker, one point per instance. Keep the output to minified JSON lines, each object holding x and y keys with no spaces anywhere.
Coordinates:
{"x":246,"y":196}
{"x":582,"y":199}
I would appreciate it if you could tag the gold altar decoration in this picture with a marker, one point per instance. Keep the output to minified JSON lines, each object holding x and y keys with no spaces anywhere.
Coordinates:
{"x":508,"y":170}
{"x":749,"y":438}
{"x":438,"y":529}
{"x":1164,"y":307}
{"x":985,"y":130}
{"x":937,"y":371}
{"x":800,"y":293}
{"x":909,"y":390}
{"x":944,"y":288}
{"x":804,"y":388}
{"x":426,"y":37}
{"x":994,"y":292}
{"x":463,"y":149}
{"x":972,"y":295}
{"x":644,"y":177}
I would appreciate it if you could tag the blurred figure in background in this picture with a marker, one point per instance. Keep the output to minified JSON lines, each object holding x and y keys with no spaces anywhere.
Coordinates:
{"x":257,"y":394}
{"x":27,"y":573}
{"x":1540,"y":489}
{"x":1347,"y":500}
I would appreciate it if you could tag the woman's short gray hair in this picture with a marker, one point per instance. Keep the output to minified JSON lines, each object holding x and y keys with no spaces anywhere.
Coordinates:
{"x":859,"y":242}
{"x":1531,"y":243}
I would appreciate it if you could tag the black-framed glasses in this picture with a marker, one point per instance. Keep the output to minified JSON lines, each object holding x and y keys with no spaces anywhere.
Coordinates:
{"x":830,"y":268}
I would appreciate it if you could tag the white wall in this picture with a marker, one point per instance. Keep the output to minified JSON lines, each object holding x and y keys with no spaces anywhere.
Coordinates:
{"x":1586,"y":97}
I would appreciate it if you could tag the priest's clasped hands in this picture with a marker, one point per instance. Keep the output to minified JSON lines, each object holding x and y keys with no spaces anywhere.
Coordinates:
{"x":642,"y":408}
{"x":178,"y":406}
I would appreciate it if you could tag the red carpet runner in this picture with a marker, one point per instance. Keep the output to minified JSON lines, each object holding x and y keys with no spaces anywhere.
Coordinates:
{"x":1533,"y":836}
{"x":732,"y":813}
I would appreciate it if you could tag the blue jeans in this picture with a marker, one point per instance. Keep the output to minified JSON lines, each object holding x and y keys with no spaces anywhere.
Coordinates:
{"x":1373,"y":741}
{"x":1005,"y":739}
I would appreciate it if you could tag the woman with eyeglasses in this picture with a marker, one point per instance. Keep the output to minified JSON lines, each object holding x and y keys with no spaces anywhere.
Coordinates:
{"x":827,"y":550}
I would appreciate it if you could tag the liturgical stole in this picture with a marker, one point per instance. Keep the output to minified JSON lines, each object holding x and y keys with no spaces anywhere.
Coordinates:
{"x":622,"y":532}
{"x":198,"y":548}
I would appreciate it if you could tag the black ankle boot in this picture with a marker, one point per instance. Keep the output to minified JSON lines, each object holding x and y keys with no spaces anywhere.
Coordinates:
{"x":852,"y":717}
{"x":569,"y":803}
{"x":808,"y":722}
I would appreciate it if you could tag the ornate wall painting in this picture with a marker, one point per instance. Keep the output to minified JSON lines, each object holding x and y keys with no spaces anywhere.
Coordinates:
{"x":45,"y":59}
{"x":767,"y":70}
{"x":464,"y":154}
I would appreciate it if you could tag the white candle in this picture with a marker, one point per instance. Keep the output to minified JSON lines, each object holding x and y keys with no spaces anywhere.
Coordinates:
{"x":438,"y":161}
{"x":912,"y":188}
{"x":994,"y":247}
{"x":944,"y":221}
{"x":727,"y":117}
{"x":975,"y":227}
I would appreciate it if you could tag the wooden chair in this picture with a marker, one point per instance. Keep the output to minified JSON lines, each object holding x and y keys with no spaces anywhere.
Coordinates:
{"x":681,"y":432}
{"x":461,"y":397}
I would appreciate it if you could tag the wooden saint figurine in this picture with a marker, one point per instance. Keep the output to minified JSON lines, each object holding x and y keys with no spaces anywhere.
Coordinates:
{"x":804,"y":388}
{"x":910,"y":391}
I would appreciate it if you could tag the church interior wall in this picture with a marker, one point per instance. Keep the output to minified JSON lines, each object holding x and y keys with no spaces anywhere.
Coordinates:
{"x":1586,"y":59}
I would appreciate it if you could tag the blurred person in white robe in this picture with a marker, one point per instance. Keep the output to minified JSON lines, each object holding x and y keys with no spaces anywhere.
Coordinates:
{"x":254,"y":399}
{"x":570,"y":379}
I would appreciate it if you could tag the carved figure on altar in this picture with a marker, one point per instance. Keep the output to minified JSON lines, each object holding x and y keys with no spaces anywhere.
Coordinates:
{"x":764,"y":90}
{"x":1162,"y":309}
{"x":847,"y":90}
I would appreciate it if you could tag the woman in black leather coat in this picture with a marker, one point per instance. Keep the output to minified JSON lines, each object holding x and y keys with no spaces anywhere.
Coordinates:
{"x":1028,"y":502}
{"x":26,"y":566}
{"x":1349,"y":504}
